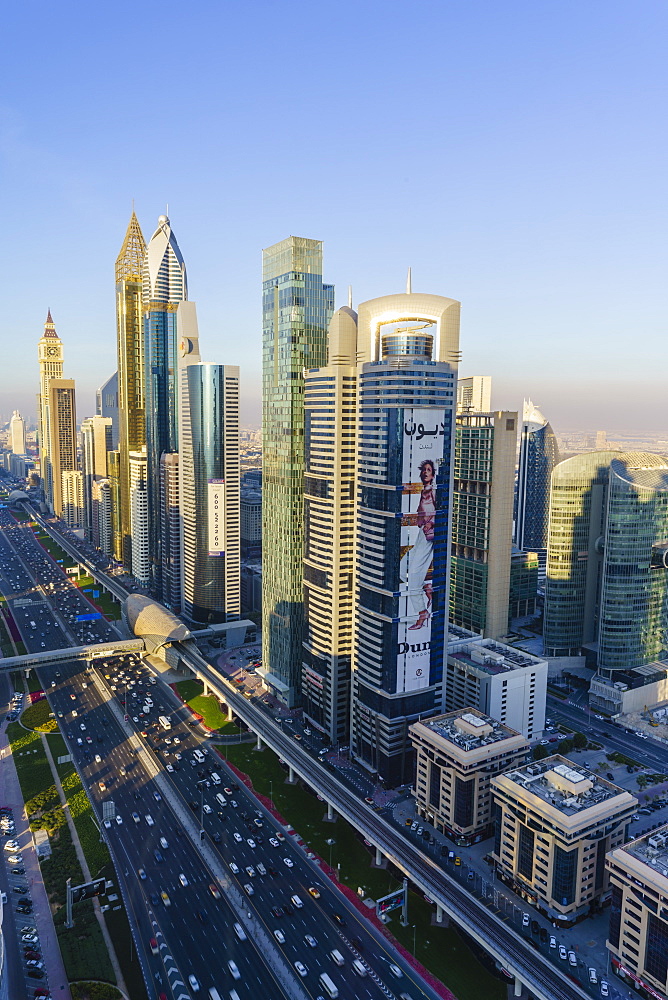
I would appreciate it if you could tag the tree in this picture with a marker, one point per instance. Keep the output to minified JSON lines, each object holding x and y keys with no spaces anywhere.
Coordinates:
{"x":579,"y":741}
{"x":540,"y":753}
{"x":565,"y":747}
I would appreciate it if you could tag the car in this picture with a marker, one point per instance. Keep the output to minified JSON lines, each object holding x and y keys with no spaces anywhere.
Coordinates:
{"x":157,"y":796}
{"x":258,"y":823}
{"x":141,"y":873}
{"x":301,"y":969}
{"x":563,"y":954}
{"x":119,"y":819}
{"x":238,"y":837}
{"x":82,"y":725}
{"x":31,"y":953}
{"x":311,"y":941}
{"x":194,"y":984}
{"x":338,"y":917}
{"x":214,"y":890}
{"x":35,"y":963}
{"x":605,"y":989}
{"x":89,"y":739}
{"x":572,"y":959}
{"x":149,"y":819}
{"x":29,"y":938}
{"x":11,"y":845}
{"x":553,"y":941}
{"x":18,"y":871}
{"x":170,"y":768}
{"x":314,"y":892}
{"x":228,"y":791}
{"x":207,"y":808}
{"x":19,"y":888}
{"x":234,"y":868}
{"x":15,"y":859}
{"x":35,"y":973}
{"x":165,"y":898}
{"x":248,"y":889}
{"x":641,"y":736}
{"x":526,"y":920}
{"x":593,"y":976}
{"x":164,"y":843}
{"x":251,"y":842}
{"x":288,"y":862}
{"x":234,"y":969}
{"x":280,"y":936}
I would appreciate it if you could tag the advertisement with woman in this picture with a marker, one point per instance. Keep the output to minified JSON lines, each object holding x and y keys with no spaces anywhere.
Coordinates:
{"x":422,"y":454}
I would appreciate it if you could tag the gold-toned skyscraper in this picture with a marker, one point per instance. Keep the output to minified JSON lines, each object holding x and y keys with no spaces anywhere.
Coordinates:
{"x":130,"y":344}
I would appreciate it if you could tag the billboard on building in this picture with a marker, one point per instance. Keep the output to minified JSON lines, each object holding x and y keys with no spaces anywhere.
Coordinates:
{"x":422,"y":436}
{"x":216,"y":516}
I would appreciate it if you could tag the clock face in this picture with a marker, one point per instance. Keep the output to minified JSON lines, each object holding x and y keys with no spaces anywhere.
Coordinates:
{"x":51,"y":352}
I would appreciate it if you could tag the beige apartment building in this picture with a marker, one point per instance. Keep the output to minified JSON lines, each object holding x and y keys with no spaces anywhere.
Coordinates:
{"x":638,"y":934}
{"x":554,"y":824}
{"x":456,"y":756}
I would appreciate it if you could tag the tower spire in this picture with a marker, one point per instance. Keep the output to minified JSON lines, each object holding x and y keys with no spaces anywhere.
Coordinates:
{"x":350,"y":296}
{"x":409,"y":283}
{"x":50,"y":327}
{"x":131,"y":256}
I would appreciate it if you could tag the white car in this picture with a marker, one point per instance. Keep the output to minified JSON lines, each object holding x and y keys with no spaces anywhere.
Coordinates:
{"x":207,"y":808}
{"x":119,"y":820}
{"x":288,"y":862}
{"x":238,"y":837}
{"x":194,"y":985}
{"x":170,"y":768}
{"x":301,"y":969}
{"x":234,"y":868}
{"x":234,"y":971}
{"x":183,"y":880}
{"x":164,"y":843}
{"x":311,"y":941}
{"x":107,"y":824}
{"x":274,"y":842}
{"x":280,"y":936}
{"x":251,"y":842}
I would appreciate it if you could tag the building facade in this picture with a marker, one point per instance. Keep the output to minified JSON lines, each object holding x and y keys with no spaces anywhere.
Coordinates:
{"x":164,"y":285}
{"x":106,"y":405}
{"x":50,"y":353}
{"x":482,"y":521}
{"x":456,"y":757}
{"x":554,"y":824}
{"x":96,"y":442}
{"x":501,"y":681}
{"x":474,"y":394}
{"x":407,"y":353}
{"x":296,"y":309}
{"x":72,"y":509}
{"x":62,"y":451}
{"x":523,"y":584}
{"x":130,"y":354}
{"x":638,"y":931}
{"x":17,"y":434}
{"x":538,"y":456}
{"x":330,"y":404}
{"x":139,"y":517}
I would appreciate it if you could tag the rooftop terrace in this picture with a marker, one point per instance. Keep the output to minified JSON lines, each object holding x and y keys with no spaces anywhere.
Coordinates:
{"x":469,"y":730}
{"x":563,"y":786}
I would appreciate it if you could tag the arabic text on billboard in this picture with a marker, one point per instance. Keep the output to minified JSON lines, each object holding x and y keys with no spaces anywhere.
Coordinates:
{"x":422,"y":453}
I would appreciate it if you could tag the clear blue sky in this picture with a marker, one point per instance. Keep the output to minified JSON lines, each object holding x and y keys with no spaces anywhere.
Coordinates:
{"x":514,"y":154}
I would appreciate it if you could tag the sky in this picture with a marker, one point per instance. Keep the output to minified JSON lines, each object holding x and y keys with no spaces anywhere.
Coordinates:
{"x":514,"y":155}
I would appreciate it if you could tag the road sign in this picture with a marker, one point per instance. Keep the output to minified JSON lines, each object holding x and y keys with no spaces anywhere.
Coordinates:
{"x":88,"y":618}
{"x":394,"y":901}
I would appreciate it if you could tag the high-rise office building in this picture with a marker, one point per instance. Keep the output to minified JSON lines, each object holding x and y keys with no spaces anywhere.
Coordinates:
{"x":72,"y":498}
{"x":130,"y":350}
{"x":114,"y":478}
{"x":170,"y":530}
{"x":50,"y":353}
{"x":330,"y":429}
{"x":482,"y":520}
{"x":578,"y":509}
{"x":538,"y":456}
{"x":296,"y":309}
{"x":106,"y":405}
{"x":96,"y":437}
{"x":164,"y":286}
{"x":474,"y":394}
{"x":407,"y":354}
{"x":17,"y":434}
{"x":139,"y":518}
{"x":62,"y":449}
{"x":209,"y":480}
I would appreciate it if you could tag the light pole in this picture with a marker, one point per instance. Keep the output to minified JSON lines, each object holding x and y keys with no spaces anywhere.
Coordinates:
{"x":414,"y":934}
{"x":331,"y":843}
{"x":201,"y":808}
{"x":271,"y":792}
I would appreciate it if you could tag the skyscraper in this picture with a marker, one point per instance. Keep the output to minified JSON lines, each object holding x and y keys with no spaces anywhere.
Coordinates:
{"x":209,"y":480}
{"x":96,"y":438}
{"x":578,"y":509}
{"x":474,"y":393}
{"x":407,"y":353}
{"x":106,"y":405}
{"x":330,"y":430}
{"x":50,"y":353}
{"x":538,"y":456}
{"x":62,"y":450}
{"x":17,"y":434}
{"x":482,"y":521}
{"x":130,"y":349}
{"x":296,"y":310}
{"x":164,"y":286}
{"x":140,"y":566}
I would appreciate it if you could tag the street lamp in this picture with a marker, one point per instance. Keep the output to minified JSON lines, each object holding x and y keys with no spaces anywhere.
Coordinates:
{"x":201,"y":808}
{"x":414,"y":933}
{"x":331,"y":841}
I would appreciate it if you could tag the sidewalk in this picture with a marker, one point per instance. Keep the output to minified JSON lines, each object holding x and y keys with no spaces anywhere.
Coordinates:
{"x":10,"y":795}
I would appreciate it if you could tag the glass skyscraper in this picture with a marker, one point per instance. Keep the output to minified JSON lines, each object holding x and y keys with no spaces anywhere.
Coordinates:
{"x":164,"y":286}
{"x":296,"y":310}
{"x":538,"y":456}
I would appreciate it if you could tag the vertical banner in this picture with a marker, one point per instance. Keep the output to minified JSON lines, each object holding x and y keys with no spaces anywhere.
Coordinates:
{"x":216,"y":516}
{"x":422,"y":433}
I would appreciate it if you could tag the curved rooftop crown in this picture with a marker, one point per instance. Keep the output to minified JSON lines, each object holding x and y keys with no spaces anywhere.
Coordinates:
{"x":164,"y":270}
{"x":153,"y":622}
{"x":641,"y":470}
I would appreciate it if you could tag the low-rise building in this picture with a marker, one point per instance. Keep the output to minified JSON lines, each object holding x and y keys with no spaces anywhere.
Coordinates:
{"x":554,"y":824}
{"x":456,"y":756}
{"x":499,"y":680}
{"x":638,"y":935}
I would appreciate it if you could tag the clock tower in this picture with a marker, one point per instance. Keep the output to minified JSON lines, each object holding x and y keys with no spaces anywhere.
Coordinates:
{"x":50,"y":354}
